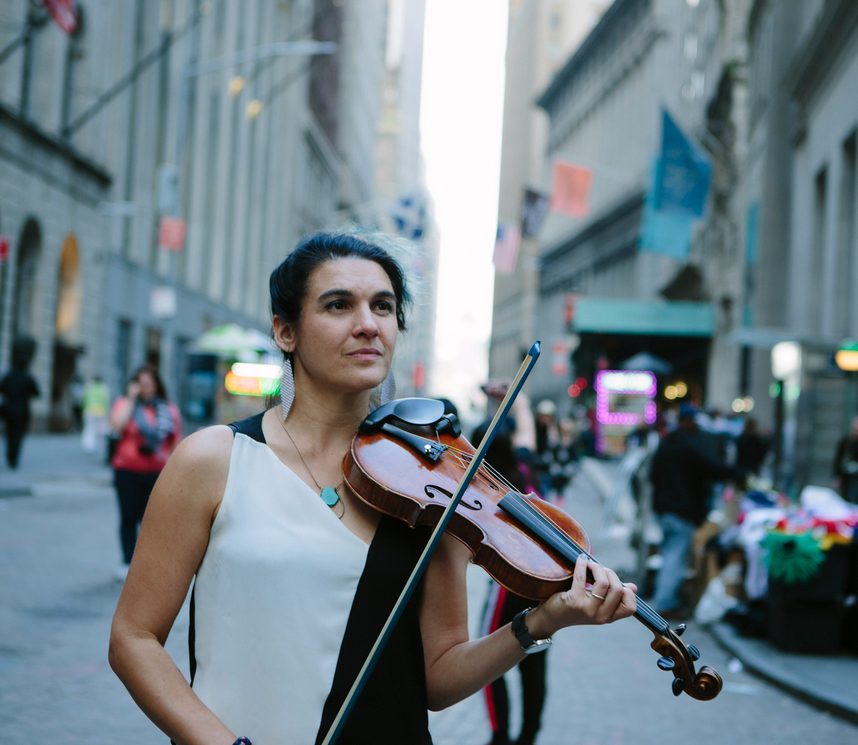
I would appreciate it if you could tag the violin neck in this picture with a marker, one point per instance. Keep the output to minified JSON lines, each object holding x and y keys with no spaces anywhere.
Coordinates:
{"x":526,"y":515}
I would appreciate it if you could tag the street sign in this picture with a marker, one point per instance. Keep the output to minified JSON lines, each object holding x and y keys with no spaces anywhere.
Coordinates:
{"x":162,"y":302}
{"x":5,"y":247}
{"x":171,"y":234}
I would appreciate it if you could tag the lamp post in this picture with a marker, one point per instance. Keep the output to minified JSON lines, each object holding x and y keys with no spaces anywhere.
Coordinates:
{"x":786,"y":370}
{"x":846,"y":358}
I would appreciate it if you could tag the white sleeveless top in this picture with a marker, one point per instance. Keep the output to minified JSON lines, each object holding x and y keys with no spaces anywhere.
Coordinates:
{"x":266,"y":640}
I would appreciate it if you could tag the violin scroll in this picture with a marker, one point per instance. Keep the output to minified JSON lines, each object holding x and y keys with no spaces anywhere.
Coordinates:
{"x":703,"y":684}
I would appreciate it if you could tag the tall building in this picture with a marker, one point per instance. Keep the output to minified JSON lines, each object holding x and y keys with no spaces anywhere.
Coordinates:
{"x":403,"y":199}
{"x":222,"y":130}
{"x":541,"y":35}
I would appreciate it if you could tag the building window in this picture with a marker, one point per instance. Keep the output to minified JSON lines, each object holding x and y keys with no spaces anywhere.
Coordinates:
{"x":122,"y":361}
{"x":820,"y":198}
{"x":845,"y":239}
{"x":152,"y":352}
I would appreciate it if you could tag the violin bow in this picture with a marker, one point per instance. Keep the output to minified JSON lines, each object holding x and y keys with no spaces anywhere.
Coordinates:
{"x":419,"y":570}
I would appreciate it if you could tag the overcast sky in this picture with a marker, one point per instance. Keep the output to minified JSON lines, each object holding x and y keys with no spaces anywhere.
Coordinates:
{"x":461,"y":118}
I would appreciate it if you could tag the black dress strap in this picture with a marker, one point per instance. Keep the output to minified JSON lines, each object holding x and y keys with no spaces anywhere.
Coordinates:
{"x":392,"y":708}
{"x":252,"y":427}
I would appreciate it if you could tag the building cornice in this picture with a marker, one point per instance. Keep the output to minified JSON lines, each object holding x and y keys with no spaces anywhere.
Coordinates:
{"x":32,"y":133}
{"x":814,"y":61}
{"x":600,"y":33}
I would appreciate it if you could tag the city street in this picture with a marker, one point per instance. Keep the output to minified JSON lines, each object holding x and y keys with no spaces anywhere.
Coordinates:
{"x":58,"y":553}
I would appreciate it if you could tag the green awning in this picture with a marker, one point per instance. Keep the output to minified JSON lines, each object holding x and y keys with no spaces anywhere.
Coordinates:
{"x":648,"y":317}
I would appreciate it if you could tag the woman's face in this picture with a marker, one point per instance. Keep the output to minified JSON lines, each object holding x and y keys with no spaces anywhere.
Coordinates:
{"x":345,"y":337}
{"x":148,"y":389}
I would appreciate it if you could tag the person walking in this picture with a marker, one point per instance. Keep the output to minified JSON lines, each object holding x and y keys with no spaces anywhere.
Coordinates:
{"x":17,"y":387}
{"x":149,"y":428}
{"x":751,"y":447}
{"x":96,"y":402}
{"x":845,"y":466}
{"x":682,"y":472}
{"x":293,"y":574}
{"x":501,"y":608}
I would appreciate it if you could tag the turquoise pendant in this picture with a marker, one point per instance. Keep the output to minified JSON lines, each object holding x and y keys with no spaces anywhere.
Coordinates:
{"x":329,"y":496}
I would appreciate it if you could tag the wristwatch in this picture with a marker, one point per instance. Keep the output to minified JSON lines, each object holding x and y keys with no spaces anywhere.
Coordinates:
{"x":529,"y":645}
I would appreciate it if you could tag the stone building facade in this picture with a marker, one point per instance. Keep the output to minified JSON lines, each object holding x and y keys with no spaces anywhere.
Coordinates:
{"x":214,"y":113}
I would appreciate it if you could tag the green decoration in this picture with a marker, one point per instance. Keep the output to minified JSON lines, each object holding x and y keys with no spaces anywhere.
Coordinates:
{"x":792,"y":557}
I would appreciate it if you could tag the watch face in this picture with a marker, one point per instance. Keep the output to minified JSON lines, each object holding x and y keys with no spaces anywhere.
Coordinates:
{"x":539,"y":645}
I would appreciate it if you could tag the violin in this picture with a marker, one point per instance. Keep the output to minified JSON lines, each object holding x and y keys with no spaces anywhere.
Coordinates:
{"x":406,"y":461}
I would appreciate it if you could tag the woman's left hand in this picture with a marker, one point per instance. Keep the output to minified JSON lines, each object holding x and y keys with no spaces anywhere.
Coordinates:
{"x":606,"y":600}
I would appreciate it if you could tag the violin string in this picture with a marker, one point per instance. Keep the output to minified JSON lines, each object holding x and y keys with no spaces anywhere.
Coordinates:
{"x":485,"y":467}
{"x":644,"y":609}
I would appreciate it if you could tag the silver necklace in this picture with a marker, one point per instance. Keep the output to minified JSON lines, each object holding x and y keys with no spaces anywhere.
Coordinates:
{"x":329,"y":494}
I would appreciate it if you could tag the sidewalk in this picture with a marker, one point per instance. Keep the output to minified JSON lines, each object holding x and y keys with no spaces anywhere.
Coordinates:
{"x":828,"y":682}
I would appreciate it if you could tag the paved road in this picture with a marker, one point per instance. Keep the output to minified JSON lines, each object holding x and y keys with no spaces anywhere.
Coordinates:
{"x":58,"y":550}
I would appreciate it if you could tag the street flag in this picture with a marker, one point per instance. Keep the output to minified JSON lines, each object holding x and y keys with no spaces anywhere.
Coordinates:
{"x":64,"y":14}
{"x":507,"y":242}
{"x":171,"y":233}
{"x":409,"y":217}
{"x":666,"y":232}
{"x":534,"y":208}
{"x":570,"y":193}
{"x":683,"y":171}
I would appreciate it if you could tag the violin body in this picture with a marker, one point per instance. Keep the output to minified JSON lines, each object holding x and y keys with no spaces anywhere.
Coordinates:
{"x":409,"y":461}
{"x":417,"y":491}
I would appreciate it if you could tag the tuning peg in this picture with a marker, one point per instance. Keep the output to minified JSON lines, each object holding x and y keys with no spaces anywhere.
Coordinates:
{"x":693,"y":652}
{"x":679,"y":630}
{"x":677,"y":686}
{"x":665,"y":663}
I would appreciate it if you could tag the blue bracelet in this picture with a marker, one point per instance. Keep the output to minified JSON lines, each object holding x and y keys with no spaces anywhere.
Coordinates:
{"x":242,"y":741}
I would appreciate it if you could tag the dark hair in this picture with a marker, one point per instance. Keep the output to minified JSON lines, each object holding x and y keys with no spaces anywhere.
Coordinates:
{"x":288,"y":282}
{"x":160,"y":388}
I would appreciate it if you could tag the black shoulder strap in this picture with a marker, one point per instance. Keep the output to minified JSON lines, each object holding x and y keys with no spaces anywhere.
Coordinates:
{"x":252,"y":427}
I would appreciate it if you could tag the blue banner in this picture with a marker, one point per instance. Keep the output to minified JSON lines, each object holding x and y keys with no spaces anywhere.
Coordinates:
{"x":682,"y":175}
{"x":666,"y":232}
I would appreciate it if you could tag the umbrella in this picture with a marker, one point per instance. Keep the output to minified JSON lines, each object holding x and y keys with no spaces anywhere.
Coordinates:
{"x":647,"y":361}
{"x":232,"y":340}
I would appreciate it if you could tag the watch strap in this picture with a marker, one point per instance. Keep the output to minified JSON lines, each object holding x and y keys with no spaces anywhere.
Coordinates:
{"x":525,"y":639}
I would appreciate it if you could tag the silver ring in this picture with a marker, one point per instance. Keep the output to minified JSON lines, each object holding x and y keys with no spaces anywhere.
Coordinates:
{"x":601,"y":597}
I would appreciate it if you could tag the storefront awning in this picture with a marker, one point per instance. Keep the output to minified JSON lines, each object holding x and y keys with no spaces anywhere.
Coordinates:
{"x":645,"y":317}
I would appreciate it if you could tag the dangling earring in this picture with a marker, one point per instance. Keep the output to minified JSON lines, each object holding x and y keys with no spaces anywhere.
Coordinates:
{"x":386,"y":391}
{"x":287,"y":386}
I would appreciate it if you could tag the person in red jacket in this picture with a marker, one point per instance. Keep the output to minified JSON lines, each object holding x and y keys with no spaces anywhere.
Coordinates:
{"x":149,"y":428}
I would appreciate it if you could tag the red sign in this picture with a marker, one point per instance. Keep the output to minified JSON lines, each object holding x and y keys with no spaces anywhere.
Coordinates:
{"x":64,"y":14}
{"x":171,"y":234}
{"x":5,"y":244}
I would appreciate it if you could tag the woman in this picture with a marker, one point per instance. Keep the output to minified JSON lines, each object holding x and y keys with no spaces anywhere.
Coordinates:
{"x":149,"y":428}
{"x":287,"y":586}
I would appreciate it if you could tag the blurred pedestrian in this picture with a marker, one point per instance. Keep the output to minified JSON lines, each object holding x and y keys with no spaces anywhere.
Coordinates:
{"x":96,"y":402}
{"x":682,"y":473}
{"x":751,"y":447}
{"x":503,"y":605}
{"x":547,"y":436}
{"x":560,"y":460}
{"x":76,"y":388}
{"x":17,"y":387}
{"x":846,"y":464}
{"x":149,"y":428}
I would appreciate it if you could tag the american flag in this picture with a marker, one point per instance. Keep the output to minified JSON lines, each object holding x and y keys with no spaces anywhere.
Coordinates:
{"x":507,"y":242}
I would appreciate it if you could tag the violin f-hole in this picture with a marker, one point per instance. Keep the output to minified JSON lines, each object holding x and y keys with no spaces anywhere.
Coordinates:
{"x":429,"y":490}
